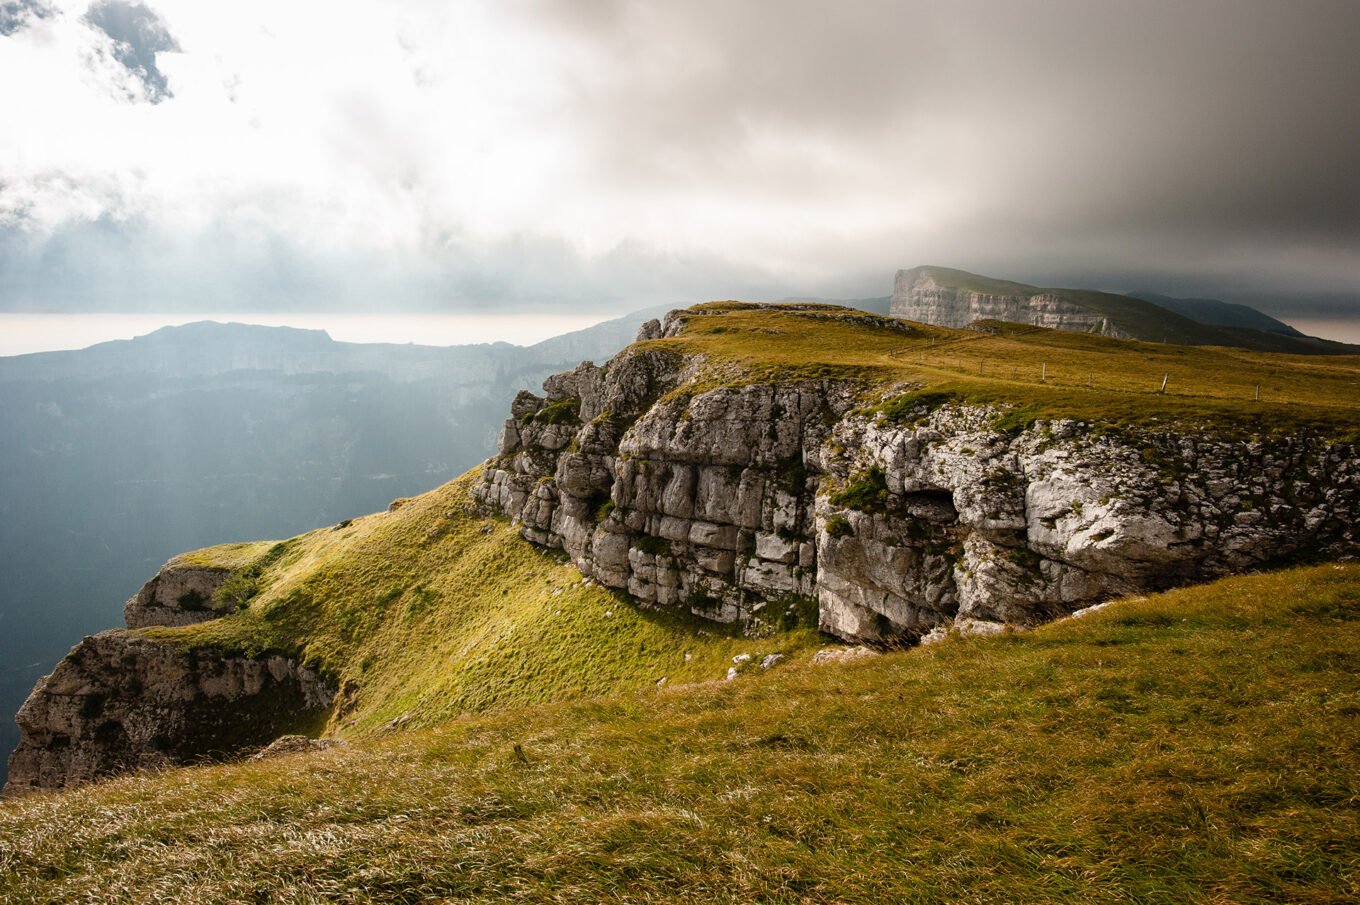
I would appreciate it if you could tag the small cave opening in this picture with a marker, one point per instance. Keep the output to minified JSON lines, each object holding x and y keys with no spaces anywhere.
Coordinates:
{"x":933,"y":505}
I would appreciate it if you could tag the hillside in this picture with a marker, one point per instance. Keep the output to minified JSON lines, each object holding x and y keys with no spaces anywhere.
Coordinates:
{"x":434,"y":609}
{"x":955,"y":298}
{"x":116,"y":457}
{"x":736,"y":492}
{"x":743,"y":474}
{"x":1199,"y":745}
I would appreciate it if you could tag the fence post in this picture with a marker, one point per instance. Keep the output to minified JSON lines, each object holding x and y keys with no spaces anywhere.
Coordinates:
{"x":1165,"y":377}
{"x":1043,"y":374}
{"x":1258,"y":392}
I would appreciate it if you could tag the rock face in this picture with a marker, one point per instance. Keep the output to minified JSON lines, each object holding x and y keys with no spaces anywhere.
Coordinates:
{"x":178,"y":595}
{"x":918,"y":296}
{"x":121,"y":702}
{"x":725,"y":500}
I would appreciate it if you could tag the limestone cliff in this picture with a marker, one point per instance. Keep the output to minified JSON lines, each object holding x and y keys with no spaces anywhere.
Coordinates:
{"x":920,"y":295}
{"x":121,"y":701}
{"x":724,"y":499}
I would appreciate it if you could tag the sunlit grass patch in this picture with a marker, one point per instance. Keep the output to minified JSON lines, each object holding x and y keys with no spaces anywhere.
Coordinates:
{"x":1047,"y":373}
{"x":434,"y":609}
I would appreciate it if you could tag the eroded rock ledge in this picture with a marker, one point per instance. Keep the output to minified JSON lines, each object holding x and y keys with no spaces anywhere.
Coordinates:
{"x":725,"y":500}
{"x":120,"y":701}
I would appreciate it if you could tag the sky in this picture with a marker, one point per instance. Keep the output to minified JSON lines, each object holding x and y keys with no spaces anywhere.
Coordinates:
{"x":553,"y":157}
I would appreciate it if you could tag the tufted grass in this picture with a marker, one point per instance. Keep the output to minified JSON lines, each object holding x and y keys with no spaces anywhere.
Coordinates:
{"x":434,"y":610}
{"x":1052,"y":373}
{"x":1196,"y":746}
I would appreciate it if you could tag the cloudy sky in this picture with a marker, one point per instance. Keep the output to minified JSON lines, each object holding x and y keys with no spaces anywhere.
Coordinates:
{"x":422,"y":156}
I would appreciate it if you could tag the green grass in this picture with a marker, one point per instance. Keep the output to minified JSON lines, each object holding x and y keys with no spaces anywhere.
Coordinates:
{"x":1197,"y":746}
{"x":1050,"y":373}
{"x":867,"y":492}
{"x":434,"y":610}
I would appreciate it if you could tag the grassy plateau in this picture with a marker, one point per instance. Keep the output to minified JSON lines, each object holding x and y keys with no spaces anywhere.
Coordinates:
{"x":1051,"y":373}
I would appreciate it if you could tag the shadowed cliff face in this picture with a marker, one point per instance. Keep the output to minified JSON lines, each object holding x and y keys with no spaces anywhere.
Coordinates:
{"x":727,"y":499}
{"x":121,"y":701}
{"x":918,"y":296}
{"x":956,"y":298}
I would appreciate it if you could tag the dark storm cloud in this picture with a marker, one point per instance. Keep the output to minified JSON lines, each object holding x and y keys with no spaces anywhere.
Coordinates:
{"x":14,"y":14}
{"x":750,"y":149}
{"x":1180,"y":129}
{"x":138,"y":35}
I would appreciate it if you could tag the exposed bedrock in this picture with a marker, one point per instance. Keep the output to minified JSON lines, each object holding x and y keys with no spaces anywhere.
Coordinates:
{"x":178,"y":595}
{"x":917,"y":296}
{"x":120,"y":702}
{"x":726,"y":499}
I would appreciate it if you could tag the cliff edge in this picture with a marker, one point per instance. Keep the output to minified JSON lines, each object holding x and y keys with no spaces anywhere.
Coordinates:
{"x":902,"y":513}
{"x":744,"y":475}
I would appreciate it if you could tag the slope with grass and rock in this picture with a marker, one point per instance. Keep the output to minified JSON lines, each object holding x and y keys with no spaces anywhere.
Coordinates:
{"x":701,"y":469}
{"x":1195,"y":746}
{"x":699,"y":507}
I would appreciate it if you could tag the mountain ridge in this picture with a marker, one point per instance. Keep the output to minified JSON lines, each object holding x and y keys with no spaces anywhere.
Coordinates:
{"x":955,"y":298}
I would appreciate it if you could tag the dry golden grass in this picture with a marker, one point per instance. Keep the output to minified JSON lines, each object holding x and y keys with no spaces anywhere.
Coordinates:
{"x":1196,"y":746}
{"x":433,"y":610}
{"x":1055,"y":373}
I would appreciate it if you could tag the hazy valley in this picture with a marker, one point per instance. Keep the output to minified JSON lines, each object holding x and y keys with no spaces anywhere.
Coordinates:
{"x":116,"y":457}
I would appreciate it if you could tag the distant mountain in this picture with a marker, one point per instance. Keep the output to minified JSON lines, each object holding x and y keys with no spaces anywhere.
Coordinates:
{"x":1223,"y":314}
{"x":956,"y":298}
{"x":115,"y":457}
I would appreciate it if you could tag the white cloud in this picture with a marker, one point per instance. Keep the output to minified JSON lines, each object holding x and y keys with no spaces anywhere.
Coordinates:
{"x":812,"y":141}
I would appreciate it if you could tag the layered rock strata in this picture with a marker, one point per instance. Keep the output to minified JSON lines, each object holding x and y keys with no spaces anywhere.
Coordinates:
{"x":120,"y":701}
{"x":918,"y":296}
{"x":725,"y":499}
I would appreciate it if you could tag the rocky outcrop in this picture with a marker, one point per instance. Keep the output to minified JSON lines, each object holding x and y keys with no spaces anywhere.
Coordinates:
{"x":179,"y":594}
{"x":728,"y":499}
{"x":121,"y":702}
{"x":919,"y":296}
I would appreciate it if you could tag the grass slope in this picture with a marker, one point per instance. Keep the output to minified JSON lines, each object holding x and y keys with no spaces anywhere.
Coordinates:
{"x":1051,"y":373}
{"x":433,"y":610}
{"x":1199,"y":745}
{"x":1147,"y":319}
